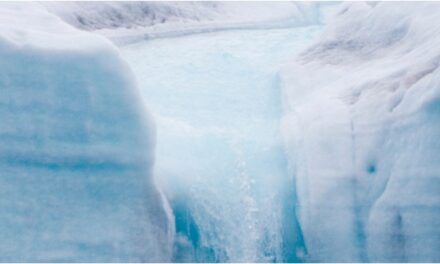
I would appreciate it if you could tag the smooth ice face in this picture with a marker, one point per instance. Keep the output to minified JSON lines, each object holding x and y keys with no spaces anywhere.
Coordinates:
{"x":220,"y":156}
{"x":361,"y":127}
{"x":76,"y":148}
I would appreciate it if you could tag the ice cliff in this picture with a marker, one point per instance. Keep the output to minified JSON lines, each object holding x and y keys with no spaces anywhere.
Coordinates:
{"x":76,"y":148}
{"x":361,"y":128}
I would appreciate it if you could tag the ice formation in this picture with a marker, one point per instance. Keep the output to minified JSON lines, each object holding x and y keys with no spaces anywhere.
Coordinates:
{"x":220,"y":157}
{"x":76,"y":148}
{"x":361,"y":128}
{"x":127,"y":22}
{"x":351,"y":176}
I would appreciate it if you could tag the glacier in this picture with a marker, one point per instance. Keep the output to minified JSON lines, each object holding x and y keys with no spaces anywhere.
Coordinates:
{"x":76,"y":148}
{"x":361,"y":133}
{"x":275,"y":132}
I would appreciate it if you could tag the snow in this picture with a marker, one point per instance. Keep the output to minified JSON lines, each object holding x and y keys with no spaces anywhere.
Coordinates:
{"x":76,"y":148}
{"x":361,"y":132}
{"x":127,"y":22}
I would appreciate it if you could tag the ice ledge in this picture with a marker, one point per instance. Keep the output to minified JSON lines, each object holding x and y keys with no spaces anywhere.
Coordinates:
{"x":77,"y":148}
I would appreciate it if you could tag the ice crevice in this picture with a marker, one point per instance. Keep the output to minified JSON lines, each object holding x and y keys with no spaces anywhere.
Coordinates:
{"x":220,"y":155}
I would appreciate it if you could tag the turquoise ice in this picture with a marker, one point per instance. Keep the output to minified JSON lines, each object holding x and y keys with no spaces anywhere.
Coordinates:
{"x":219,"y":155}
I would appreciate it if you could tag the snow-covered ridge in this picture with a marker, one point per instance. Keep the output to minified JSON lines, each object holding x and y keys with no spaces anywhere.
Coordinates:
{"x":76,"y":148}
{"x":133,"y":21}
{"x":361,"y":128}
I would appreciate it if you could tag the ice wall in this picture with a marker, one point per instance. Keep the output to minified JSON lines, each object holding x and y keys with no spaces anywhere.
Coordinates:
{"x":361,"y":128}
{"x":76,"y":148}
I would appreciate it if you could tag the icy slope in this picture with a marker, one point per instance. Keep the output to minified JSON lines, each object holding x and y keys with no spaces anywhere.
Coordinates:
{"x":76,"y":148}
{"x":132,"y":21}
{"x":362,"y":127}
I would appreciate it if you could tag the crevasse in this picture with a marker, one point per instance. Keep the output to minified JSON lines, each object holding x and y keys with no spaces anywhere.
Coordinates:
{"x":220,"y":157}
{"x":352,"y":175}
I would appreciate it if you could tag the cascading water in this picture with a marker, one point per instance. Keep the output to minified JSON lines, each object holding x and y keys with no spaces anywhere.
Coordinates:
{"x":220,"y":158}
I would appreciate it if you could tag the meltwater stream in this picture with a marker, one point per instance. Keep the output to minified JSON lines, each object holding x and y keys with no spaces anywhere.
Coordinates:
{"x":219,"y":153}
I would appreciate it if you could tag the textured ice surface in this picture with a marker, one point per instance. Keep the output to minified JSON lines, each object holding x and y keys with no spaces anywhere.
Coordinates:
{"x":111,"y":15}
{"x":362,"y":132}
{"x":220,"y":156}
{"x":125,"y":22}
{"x":76,"y":148}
